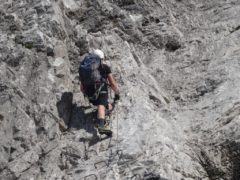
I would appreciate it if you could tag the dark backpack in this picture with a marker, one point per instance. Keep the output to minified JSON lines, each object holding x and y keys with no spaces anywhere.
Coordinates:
{"x":89,"y":72}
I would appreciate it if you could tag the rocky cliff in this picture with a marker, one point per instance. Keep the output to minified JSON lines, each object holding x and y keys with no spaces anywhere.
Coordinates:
{"x":177,"y":66}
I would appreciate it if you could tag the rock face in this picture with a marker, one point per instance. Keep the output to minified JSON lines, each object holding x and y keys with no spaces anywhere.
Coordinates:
{"x":177,"y":66}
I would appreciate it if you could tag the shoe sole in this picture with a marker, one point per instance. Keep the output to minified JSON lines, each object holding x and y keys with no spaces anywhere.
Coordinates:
{"x":105,"y":131}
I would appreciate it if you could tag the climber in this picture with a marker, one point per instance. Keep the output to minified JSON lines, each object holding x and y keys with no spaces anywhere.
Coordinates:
{"x":95,"y":76}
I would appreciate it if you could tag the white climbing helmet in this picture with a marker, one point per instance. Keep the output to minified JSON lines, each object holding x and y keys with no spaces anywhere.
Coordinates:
{"x":99,"y":53}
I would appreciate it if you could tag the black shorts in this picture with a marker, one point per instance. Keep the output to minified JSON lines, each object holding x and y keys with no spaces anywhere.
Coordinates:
{"x":101,"y":100}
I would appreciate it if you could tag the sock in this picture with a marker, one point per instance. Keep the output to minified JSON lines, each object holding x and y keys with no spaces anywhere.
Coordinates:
{"x":101,"y":122}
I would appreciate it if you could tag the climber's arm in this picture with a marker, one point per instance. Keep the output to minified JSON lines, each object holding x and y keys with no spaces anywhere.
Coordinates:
{"x":113,"y":84}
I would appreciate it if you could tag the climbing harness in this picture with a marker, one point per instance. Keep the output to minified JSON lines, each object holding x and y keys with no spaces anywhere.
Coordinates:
{"x":97,"y":92}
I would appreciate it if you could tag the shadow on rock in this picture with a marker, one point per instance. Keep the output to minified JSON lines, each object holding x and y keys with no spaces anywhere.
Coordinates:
{"x":77,"y":117}
{"x":83,"y":117}
{"x":65,"y":107}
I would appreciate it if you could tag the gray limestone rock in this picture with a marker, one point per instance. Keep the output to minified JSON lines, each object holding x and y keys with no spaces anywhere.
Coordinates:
{"x":176,"y":64}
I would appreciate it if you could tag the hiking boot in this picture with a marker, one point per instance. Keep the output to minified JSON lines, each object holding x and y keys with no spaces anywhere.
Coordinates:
{"x":96,"y":122}
{"x":101,"y":123}
{"x":103,"y":129}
